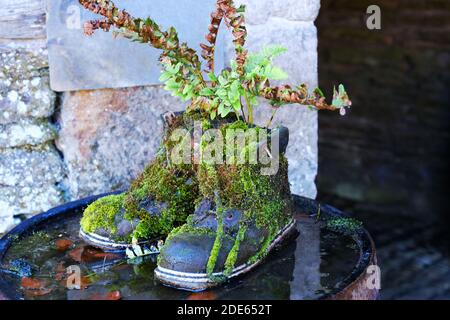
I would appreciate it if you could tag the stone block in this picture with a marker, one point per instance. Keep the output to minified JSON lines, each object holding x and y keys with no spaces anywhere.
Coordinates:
{"x":30,"y":167}
{"x":108,"y":136}
{"x":29,"y":181}
{"x":24,"y":84}
{"x":26,"y":132}
{"x":102,"y":61}
{"x":260,"y":11}
{"x":22,"y":19}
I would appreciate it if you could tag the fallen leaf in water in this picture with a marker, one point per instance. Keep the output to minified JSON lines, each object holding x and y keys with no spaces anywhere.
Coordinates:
{"x":85,"y":282}
{"x":76,"y":253}
{"x":59,"y":276}
{"x":63,"y":244}
{"x":113,"y":295}
{"x":34,"y":287}
{"x":32,"y":283}
{"x":91,"y":254}
{"x":204,"y":295}
{"x":37,"y":293}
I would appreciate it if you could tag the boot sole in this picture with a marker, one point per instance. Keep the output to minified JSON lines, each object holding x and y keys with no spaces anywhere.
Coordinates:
{"x":103,"y":242}
{"x":106,"y":243}
{"x":201,"y":281}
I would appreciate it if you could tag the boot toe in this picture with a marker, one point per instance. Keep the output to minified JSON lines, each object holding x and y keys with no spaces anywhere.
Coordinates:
{"x":189,"y":253}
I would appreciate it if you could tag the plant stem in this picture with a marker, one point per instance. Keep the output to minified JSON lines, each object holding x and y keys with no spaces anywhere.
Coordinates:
{"x":269,"y":123}
{"x":249,"y":108}
{"x":237,"y":115}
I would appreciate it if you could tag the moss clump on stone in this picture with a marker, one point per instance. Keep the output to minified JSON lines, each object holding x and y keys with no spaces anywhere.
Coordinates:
{"x":101,"y":214}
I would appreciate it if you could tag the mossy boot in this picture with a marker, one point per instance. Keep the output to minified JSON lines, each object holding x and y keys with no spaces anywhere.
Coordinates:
{"x":160,"y":199}
{"x":241,"y":217}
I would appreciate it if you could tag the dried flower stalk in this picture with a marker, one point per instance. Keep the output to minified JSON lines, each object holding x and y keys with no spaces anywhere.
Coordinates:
{"x":183,"y":75}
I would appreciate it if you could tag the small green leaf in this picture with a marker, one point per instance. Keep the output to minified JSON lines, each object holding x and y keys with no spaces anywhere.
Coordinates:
{"x":222,"y":93}
{"x":233,"y":65}
{"x":236,"y":105}
{"x":222,"y":80}
{"x":225,"y":112}
{"x":221,"y":107}
{"x":172,"y":85}
{"x":212,"y":77}
{"x":319,"y":92}
{"x":275,"y":73}
{"x":188,"y":88}
{"x":241,"y":8}
{"x":165,"y":76}
{"x":206,"y":92}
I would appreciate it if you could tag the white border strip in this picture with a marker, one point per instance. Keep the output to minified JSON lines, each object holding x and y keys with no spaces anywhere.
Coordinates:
{"x":103,"y":241}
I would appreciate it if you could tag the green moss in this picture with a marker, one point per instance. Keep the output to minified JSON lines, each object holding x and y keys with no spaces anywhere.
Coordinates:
{"x":265,"y":200}
{"x":235,"y":125}
{"x":264,"y":246}
{"x":101,"y":214}
{"x":233,"y":254}
{"x":187,"y":228}
{"x":219,"y":237}
{"x":345,"y":225}
{"x":206,"y":124}
{"x":174,"y":186}
{"x":208,"y":180}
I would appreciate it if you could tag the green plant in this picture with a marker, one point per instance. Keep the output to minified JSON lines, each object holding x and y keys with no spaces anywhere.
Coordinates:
{"x":234,"y":90}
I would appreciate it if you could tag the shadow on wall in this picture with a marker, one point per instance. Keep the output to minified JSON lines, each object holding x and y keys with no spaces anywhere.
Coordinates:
{"x":390,"y":154}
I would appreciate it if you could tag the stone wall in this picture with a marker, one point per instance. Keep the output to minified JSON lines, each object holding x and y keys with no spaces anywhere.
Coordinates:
{"x":31,"y":168}
{"x":390,"y":155}
{"x":98,"y":140}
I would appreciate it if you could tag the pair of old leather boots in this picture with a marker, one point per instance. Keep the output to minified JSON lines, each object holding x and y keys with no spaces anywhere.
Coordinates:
{"x":218,"y":219}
